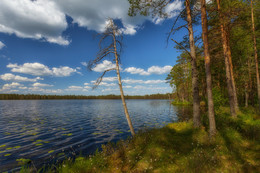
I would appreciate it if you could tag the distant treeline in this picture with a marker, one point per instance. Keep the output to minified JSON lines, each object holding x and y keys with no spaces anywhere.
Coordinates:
{"x":56,"y":97}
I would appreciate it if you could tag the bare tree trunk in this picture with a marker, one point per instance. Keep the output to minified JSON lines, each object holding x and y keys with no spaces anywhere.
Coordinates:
{"x":246,"y":95}
{"x":195,"y":82}
{"x":256,"y":59}
{"x":211,"y":113}
{"x":227,"y":64}
{"x":232,"y":75}
{"x":121,"y":89}
{"x":250,"y":85}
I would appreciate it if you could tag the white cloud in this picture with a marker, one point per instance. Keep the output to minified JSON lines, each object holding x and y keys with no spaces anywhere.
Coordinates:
{"x":159,"y":70}
{"x":172,"y":9}
{"x":11,"y":86}
{"x":37,"y":69}
{"x":109,"y":79}
{"x":45,"y":91}
{"x":63,"y":71}
{"x":134,"y":70}
{"x":41,"y":19}
{"x":46,"y":19}
{"x":23,"y":88}
{"x":107,"y":84}
{"x":41,"y":85}
{"x":141,"y":87}
{"x":94,"y":14}
{"x":1,"y":45}
{"x":134,"y":81}
{"x":152,"y":70}
{"x":154,"y":81}
{"x":110,"y":89}
{"x":11,"y":77}
{"x":127,"y":86}
{"x":87,"y":87}
{"x":75,"y":87}
{"x":84,"y":64}
{"x":105,"y":65}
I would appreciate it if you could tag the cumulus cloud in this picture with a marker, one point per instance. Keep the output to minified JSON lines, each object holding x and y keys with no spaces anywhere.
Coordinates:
{"x":41,"y":85}
{"x":134,"y":81}
{"x":152,"y":70}
{"x":1,"y":45}
{"x":37,"y":69}
{"x":172,"y":9}
{"x":46,"y":19}
{"x":12,"y":77}
{"x":159,"y":70}
{"x":110,"y":89}
{"x":11,"y":86}
{"x":45,"y":91}
{"x":94,"y":14}
{"x":141,"y":87}
{"x":41,"y":19}
{"x":109,"y":79}
{"x":107,"y":84}
{"x":105,"y":65}
{"x":78,"y":88}
{"x":134,"y":70}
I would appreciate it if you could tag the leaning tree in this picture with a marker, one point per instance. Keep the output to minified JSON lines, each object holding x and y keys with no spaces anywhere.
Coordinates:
{"x":110,"y":45}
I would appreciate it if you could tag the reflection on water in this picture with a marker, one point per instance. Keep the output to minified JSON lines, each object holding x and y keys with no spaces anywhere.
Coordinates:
{"x":47,"y":131}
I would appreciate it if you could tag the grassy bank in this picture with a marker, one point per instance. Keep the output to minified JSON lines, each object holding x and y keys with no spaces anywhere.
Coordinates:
{"x":178,"y":147}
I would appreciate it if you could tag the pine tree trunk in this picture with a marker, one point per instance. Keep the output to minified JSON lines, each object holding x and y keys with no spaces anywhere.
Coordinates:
{"x":195,"y":83}
{"x":227,"y":64}
{"x":256,"y":59}
{"x":211,"y":113}
{"x":246,"y":95}
{"x":121,"y":90}
{"x":232,"y":74}
{"x":250,"y":84}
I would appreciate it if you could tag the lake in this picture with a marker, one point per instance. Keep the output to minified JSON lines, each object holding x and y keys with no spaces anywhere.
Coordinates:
{"x":48,"y":131}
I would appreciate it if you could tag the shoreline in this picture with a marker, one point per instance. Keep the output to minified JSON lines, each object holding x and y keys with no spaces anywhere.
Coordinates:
{"x":180,"y":147}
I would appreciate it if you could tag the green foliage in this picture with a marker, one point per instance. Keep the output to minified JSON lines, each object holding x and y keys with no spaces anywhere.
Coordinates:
{"x":177,"y":102}
{"x":180,"y":78}
{"x":219,"y":98}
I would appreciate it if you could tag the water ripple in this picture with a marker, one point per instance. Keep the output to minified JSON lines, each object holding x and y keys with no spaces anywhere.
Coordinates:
{"x":47,"y":131}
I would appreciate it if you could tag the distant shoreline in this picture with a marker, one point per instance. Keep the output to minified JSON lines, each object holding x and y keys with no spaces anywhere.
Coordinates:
{"x":78,"y":97}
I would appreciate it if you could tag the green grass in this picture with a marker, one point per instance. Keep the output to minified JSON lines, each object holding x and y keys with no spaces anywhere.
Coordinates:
{"x":177,"y":102}
{"x":178,"y":147}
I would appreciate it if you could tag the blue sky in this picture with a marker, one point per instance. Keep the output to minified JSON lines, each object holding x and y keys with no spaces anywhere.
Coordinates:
{"x":45,"y":45}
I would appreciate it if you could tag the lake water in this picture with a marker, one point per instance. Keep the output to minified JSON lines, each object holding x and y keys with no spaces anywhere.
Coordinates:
{"x":47,"y":131}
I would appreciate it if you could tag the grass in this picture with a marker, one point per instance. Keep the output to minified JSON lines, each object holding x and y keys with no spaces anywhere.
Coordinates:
{"x":178,"y":147}
{"x":178,"y":102}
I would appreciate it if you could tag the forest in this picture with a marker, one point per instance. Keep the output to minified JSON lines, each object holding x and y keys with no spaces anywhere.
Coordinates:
{"x":64,"y":97}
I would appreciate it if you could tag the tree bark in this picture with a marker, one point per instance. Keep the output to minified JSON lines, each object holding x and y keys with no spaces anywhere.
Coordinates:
{"x":232,"y":74}
{"x":211,"y":113}
{"x":227,"y":63}
{"x":246,"y":95}
{"x":250,"y":84}
{"x":121,"y":88}
{"x":255,"y":49}
{"x":195,"y":83}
